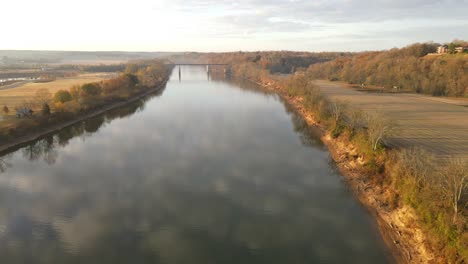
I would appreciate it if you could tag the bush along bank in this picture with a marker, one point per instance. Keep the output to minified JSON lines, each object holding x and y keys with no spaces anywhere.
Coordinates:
{"x":419,"y":201}
{"x":67,"y":106}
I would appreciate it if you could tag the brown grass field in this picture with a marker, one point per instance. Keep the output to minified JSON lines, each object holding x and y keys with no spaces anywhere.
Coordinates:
{"x":16,"y":96}
{"x":439,"y":125}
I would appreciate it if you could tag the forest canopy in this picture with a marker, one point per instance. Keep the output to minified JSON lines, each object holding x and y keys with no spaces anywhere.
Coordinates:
{"x":415,"y":68}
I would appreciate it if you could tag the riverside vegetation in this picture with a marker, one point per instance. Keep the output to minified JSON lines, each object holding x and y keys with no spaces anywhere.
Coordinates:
{"x":79,"y":100}
{"x":412,"y":68}
{"x":436,"y":190}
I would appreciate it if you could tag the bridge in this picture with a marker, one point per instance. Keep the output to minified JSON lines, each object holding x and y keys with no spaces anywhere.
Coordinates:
{"x":225,"y":67}
{"x":198,"y":64}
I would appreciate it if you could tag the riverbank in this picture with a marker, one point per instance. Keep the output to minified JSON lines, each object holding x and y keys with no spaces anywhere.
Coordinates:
{"x":30,"y":137}
{"x":399,"y":227}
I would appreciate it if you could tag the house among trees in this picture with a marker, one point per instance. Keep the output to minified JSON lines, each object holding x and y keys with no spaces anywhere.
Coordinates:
{"x":461,"y":49}
{"x":24,"y":112}
{"x":442,"y":49}
{"x":454,"y":47}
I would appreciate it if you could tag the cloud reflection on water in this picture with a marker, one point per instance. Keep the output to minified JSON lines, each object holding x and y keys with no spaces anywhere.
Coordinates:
{"x":194,"y":178}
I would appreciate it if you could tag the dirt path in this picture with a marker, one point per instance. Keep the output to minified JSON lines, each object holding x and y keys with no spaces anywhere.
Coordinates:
{"x":14,"y":85}
{"x":439,"y":125}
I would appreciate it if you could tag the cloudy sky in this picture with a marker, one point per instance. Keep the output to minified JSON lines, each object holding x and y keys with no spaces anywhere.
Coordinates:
{"x":229,"y":25}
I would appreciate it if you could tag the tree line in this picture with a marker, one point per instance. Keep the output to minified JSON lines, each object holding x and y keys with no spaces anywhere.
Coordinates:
{"x":79,"y":99}
{"x":413,"y":68}
{"x":282,"y":62}
{"x":438,"y":191}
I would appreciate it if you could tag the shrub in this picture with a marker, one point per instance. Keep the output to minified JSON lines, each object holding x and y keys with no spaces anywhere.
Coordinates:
{"x":75,"y":92}
{"x":59,"y":107}
{"x":91,"y":89}
{"x":63,"y":96}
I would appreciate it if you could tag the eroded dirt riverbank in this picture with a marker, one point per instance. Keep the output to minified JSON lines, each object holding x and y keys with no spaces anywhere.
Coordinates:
{"x":399,"y":227}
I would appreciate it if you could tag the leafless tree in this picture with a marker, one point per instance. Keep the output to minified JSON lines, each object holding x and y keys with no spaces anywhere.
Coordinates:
{"x":378,"y":128}
{"x":417,"y":163}
{"x":337,"y":110}
{"x":42,"y":97}
{"x":454,"y":182}
{"x":355,"y":119}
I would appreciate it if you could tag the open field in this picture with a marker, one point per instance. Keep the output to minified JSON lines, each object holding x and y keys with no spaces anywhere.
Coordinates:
{"x":436,"y":124}
{"x":15,"y":96}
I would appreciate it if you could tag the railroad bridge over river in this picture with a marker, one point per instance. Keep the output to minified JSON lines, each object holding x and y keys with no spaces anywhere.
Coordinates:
{"x":225,"y":68}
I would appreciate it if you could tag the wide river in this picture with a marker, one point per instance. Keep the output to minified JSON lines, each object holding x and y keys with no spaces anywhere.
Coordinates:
{"x":207,"y":171}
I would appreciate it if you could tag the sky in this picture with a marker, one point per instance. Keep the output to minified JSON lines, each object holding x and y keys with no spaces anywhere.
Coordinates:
{"x":228,"y":25}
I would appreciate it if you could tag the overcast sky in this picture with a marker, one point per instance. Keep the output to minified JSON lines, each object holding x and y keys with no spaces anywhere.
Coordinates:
{"x":228,"y":25}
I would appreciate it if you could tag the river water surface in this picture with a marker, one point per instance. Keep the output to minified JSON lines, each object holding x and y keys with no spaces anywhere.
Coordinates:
{"x":207,"y":171}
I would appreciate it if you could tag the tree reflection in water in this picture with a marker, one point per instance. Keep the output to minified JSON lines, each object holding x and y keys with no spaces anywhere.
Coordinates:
{"x":46,"y":147}
{"x":183,"y":183}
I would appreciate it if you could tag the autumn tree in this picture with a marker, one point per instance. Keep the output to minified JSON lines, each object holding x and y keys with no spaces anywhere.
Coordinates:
{"x":6,"y":110}
{"x":75,"y":92}
{"x":91,"y":89}
{"x":451,"y":48}
{"x":62,"y":96}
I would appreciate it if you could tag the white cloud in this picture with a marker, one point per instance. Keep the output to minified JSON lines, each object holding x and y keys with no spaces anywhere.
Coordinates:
{"x":228,"y":25}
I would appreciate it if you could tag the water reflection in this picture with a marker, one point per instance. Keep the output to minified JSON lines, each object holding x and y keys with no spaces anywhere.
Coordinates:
{"x":4,"y":164}
{"x":45,"y":148}
{"x":207,"y":173}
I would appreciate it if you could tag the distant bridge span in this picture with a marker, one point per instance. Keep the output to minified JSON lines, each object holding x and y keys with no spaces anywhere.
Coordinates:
{"x":198,"y":64}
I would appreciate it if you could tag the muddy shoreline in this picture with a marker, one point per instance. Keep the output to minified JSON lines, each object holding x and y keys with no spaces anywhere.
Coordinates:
{"x":398,"y":227}
{"x":28,"y":138}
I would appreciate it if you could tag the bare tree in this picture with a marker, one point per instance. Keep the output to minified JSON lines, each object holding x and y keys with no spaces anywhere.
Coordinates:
{"x":337,"y":110}
{"x":42,"y":97}
{"x":417,"y":163}
{"x":378,"y":128}
{"x":454,"y":182}
{"x":355,"y":119}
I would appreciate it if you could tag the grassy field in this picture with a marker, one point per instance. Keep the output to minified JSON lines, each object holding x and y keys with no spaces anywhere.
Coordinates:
{"x":439,"y":125}
{"x":16,"y":96}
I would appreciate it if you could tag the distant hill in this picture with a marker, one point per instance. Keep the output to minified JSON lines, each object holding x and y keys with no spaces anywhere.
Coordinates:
{"x":410,"y":68}
{"x":73,"y":57}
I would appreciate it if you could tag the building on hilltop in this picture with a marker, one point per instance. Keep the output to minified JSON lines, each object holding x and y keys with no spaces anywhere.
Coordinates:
{"x":442,"y":49}
{"x":461,"y":49}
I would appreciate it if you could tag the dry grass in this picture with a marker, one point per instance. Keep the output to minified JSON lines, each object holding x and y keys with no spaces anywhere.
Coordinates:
{"x":16,"y":96}
{"x":435,"y":125}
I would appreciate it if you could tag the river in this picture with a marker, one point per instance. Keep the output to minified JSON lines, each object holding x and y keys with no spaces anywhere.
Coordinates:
{"x":207,"y":171}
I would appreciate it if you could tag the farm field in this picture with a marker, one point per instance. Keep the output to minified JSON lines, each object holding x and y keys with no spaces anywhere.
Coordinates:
{"x":16,"y":96}
{"x":439,"y":125}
